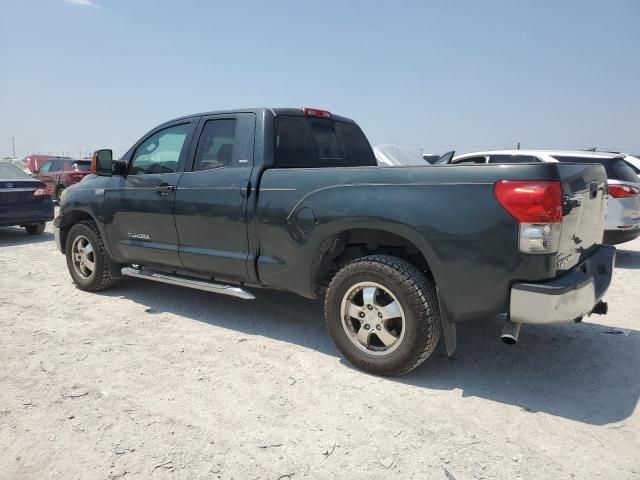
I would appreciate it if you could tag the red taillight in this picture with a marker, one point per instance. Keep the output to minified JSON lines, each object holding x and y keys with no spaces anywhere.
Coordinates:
{"x":621,"y":191}
{"x":314,"y":112}
{"x":40,"y":192}
{"x":531,"y":201}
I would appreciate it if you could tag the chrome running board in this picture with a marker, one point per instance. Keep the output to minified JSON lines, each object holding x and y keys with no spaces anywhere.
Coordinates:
{"x":187,"y":282}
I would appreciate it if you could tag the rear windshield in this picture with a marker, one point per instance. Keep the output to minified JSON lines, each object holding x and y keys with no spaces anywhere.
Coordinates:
{"x":320,"y":142}
{"x":616,"y":168}
{"x":83,"y":166}
{"x":10,"y":172}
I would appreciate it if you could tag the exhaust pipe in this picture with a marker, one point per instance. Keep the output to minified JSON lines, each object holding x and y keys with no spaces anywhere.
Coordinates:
{"x":510,"y":332}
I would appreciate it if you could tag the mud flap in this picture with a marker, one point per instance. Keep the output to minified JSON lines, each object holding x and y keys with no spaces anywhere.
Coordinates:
{"x":448,"y":328}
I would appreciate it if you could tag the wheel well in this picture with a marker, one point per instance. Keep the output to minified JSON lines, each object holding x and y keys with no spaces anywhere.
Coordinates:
{"x":342,"y":248}
{"x":70,"y":219}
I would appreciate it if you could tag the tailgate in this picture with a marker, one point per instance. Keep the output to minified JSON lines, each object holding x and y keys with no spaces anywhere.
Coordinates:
{"x":584,"y":188}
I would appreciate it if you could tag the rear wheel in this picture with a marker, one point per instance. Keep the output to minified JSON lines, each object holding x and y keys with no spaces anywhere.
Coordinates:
{"x":58,"y":193}
{"x":87,"y":259}
{"x":35,"y":228}
{"x":383,"y":315}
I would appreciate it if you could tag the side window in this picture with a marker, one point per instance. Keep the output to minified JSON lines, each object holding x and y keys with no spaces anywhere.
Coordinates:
{"x":216,"y":144}
{"x":160,"y":152}
{"x":56,"y":166}
{"x":513,"y":159}
{"x":470,"y":160}
{"x":46,"y":168}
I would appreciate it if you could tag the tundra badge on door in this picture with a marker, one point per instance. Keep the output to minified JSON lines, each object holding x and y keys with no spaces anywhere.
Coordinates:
{"x":139,"y":236}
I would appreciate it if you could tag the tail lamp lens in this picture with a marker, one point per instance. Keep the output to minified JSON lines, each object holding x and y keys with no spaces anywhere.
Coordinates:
{"x":537,"y":207}
{"x":622,"y":191}
{"x":40,"y":192}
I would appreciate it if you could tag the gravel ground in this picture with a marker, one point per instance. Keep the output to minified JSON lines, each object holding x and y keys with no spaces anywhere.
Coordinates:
{"x":154,"y":381}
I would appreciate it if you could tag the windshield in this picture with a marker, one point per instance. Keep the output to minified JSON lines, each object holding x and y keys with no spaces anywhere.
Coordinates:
{"x":10,"y":172}
{"x":393,"y":156}
{"x":616,"y":168}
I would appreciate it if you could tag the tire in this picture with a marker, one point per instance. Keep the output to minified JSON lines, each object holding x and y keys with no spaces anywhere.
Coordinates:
{"x":58,"y":192}
{"x":35,"y":228}
{"x":408,"y":339}
{"x":95,"y":275}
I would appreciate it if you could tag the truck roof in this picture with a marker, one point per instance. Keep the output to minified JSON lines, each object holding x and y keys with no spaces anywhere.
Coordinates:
{"x":259,"y":111}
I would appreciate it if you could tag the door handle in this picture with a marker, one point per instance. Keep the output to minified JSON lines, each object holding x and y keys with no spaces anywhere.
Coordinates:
{"x":165,"y":188}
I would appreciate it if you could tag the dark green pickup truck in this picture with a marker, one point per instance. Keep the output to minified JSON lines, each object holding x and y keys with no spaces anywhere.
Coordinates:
{"x":293,"y":199}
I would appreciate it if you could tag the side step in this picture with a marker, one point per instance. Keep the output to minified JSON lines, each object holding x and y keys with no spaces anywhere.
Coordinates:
{"x":187,"y":282}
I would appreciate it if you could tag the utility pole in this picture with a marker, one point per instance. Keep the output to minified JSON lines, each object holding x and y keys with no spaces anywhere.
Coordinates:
{"x":13,"y":146}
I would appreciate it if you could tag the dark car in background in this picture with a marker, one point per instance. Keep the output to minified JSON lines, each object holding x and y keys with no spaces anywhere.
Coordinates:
{"x":60,"y":173}
{"x":24,"y":201}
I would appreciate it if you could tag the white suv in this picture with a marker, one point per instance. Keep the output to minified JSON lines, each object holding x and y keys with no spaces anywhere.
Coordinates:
{"x":622,"y":222}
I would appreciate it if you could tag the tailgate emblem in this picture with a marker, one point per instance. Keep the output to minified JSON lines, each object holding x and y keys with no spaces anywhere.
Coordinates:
{"x":8,"y":185}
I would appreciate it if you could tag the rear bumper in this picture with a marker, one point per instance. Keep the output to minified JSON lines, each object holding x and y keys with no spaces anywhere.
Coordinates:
{"x":567,"y":297}
{"x":614,"y":237}
{"x":26,"y":214}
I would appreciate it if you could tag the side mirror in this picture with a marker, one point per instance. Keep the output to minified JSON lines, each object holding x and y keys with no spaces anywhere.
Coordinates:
{"x":101,"y":162}
{"x":119,"y":168}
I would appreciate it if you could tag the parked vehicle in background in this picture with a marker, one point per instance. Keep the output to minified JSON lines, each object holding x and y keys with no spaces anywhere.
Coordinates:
{"x":631,"y":159}
{"x":21,"y":163}
{"x":23,"y":200}
{"x":293,"y":199}
{"x":431,"y":158}
{"x":634,"y":162}
{"x":36,"y":160}
{"x":622,"y":222}
{"x":392,"y":156}
{"x":60,"y":173}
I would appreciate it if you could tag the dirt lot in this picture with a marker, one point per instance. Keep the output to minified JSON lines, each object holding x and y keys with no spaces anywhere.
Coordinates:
{"x":154,"y":381}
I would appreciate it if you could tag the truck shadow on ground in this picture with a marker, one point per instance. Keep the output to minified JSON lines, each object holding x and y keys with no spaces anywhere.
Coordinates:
{"x":628,"y":259}
{"x":14,"y":236}
{"x":584,"y":372}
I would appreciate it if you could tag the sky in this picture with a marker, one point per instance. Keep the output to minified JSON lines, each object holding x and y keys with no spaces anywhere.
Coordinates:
{"x":77,"y":75}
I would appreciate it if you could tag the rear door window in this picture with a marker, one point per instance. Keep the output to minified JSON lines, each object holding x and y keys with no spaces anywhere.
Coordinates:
{"x":513,"y":159}
{"x":616,"y":168}
{"x":56,"y":166}
{"x":216,"y":144}
{"x":320,"y":142}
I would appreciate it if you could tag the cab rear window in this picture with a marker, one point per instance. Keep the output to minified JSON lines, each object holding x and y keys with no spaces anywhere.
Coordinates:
{"x":616,"y":168}
{"x":320,"y":142}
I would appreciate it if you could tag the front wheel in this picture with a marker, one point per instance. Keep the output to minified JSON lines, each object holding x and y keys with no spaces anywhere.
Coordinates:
{"x":87,"y":259}
{"x":383,"y":315}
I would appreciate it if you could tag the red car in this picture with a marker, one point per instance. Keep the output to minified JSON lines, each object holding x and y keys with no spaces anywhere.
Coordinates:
{"x":36,"y":160}
{"x":60,"y":173}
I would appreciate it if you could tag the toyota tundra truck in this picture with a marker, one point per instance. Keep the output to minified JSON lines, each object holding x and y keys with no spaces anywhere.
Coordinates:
{"x":292,"y":199}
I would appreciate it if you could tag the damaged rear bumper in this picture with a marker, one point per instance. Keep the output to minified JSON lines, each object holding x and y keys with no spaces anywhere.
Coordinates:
{"x":568,"y":297}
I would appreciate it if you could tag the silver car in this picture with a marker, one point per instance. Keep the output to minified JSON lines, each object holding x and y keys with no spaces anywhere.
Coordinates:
{"x":622,"y":222}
